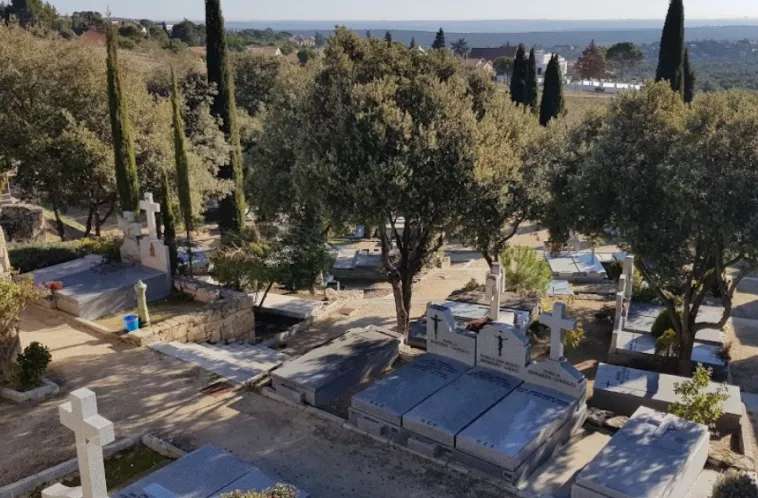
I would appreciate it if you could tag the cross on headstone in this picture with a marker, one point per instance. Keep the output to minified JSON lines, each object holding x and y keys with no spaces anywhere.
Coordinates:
{"x":436,"y":319}
{"x":558,"y":322}
{"x":92,"y":433}
{"x":151,"y":207}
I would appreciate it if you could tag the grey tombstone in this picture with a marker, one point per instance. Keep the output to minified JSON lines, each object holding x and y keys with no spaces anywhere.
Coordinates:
{"x":324,"y":373}
{"x":448,"y":411}
{"x":654,"y":455}
{"x":504,"y":349}
{"x":624,"y":390}
{"x":445,"y":339}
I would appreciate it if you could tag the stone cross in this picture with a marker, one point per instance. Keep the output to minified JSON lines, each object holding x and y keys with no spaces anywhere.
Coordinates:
{"x":151,"y":207}
{"x":558,"y":322}
{"x":92,"y":433}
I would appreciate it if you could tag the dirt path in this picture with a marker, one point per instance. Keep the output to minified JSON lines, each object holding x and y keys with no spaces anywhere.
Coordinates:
{"x":140,"y":390}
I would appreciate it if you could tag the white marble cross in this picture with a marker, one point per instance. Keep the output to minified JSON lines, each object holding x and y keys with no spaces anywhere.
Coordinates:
{"x":558,"y":322}
{"x":151,"y":207}
{"x":92,"y":433}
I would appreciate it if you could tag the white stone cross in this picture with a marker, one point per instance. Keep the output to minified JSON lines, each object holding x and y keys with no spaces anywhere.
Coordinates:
{"x":151,"y":207}
{"x":558,"y":322}
{"x":92,"y":433}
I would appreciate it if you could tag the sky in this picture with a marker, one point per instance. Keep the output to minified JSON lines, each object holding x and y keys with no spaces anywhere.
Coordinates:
{"x":395,"y":10}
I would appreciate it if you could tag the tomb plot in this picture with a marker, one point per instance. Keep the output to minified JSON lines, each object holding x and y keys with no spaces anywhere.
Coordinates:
{"x":642,"y":317}
{"x":623,"y":390}
{"x":328,"y":371}
{"x":654,"y":454}
{"x":445,"y":339}
{"x":575,"y":266}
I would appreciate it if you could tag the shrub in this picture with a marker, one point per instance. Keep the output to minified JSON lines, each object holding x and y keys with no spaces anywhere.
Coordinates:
{"x":735,"y":484}
{"x":574,"y":338}
{"x":641,"y":292}
{"x":278,"y":491}
{"x":606,"y":314}
{"x":663,"y":323}
{"x":667,"y":345}
{"x":697,"y":405}
{"x":28,"y":257}
{"x":472,"y":285}
{"x":525,"y":272}
{"x":33,"y":364}
{"x":613,"y":269}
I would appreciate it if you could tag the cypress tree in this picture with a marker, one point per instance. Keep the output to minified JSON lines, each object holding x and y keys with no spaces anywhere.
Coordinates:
{"x":169,"y":224}
{"x":531,"y":92}
{"x":182,"y":165}
{"x":127,"y":183}
{"x":518,"y":78}
{"x":439,"y":40}
{"x":689,"y":78}
{"x":368,"y":35}
{"x":413,"y":42}
{"x":671,"y":56}
{"x":552,"y":94}
{"x":232,"y":208}
{"x":388,"y":38}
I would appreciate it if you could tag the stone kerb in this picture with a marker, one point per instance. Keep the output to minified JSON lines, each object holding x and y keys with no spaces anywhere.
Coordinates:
{"x":227,"y":316}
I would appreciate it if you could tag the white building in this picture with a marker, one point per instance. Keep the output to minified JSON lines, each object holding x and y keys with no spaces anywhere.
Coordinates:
{"x":543,"y":59}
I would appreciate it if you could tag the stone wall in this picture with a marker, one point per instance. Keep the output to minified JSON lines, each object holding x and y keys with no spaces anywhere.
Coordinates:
{"x":227,"y":316}
{"x":23,"y":222}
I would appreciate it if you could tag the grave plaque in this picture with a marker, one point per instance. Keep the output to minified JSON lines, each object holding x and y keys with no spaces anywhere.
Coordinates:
{"x":561,"y":376}
{"x":444,"y":414}
{"x":444,"y":339}
{"x":655,"y":454}
{"x":503,"y":348}
{"x":392,"y":397}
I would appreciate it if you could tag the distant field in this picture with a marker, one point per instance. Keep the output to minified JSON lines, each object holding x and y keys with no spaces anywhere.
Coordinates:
{"x":578,"y":103}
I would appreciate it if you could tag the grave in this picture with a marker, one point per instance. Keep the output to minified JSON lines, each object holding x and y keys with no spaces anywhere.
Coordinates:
{"x":289,"y":306}
{"x":92,"y":290}
{"x":486,"y":417}
{"x":642,"y":316}
{"x":578,"y":267}
{"x":654,"y":455}
{"x":623,"y":390}
{"x":328,"y":371}
{"x":57,"y":272}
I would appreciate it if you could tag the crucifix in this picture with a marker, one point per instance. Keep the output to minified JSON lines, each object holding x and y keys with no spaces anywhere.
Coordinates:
{"x":92,"y":433}
{"x":558,"y":323}
{"x":150,"y":207}
{"x":436,"y":319}
{"x":500,"y":346}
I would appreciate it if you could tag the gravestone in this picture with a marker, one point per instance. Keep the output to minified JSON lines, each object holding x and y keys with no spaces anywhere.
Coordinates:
{"x":623,"y":390}
{"x":92,"y":432}
{"x":504,"y":349}
{"x":654,"y":455}
{"x":326,"y":372}
{"x":444,"y":338}
{"x":205,"y":473}
{"x":130,"y":251}
{"x":153,"y":252}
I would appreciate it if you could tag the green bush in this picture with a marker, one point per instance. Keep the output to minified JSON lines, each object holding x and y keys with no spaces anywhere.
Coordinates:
{"x":26,"y":257}
{"x":641,"y":291}
{"x":735,"y":484}
{"x":33,"y":362}
{"x":663,"y":323}
{"x":667,"y":345}
{"x":697,"y":404}
{"x":613,"y":269}
{"x":278,"y":491}
{"x":525,"y":272}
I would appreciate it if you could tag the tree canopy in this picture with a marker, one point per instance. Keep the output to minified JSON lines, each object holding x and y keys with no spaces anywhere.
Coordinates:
{"x":592,"y":63}
{"x":624,"y":56}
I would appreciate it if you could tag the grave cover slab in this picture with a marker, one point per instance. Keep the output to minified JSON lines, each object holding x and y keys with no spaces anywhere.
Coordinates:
{"x":642,"y":316}
{"x":326,"y":372}
{"x":654,"y":455}
{"x":448,"y":411}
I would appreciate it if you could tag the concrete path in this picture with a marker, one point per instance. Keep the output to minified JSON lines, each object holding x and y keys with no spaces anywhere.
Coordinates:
{"x":141,"y":390}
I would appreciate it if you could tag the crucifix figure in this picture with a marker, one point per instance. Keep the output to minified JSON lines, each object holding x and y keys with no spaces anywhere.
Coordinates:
{"x":500,"y":346}
{"x":92,"y":433}
{"x":150,"y":207}
{"x":558,"y":323}
{"x":436,"y":319}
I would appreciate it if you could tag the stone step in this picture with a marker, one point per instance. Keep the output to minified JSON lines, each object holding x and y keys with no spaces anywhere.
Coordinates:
{"x":239,"y":367}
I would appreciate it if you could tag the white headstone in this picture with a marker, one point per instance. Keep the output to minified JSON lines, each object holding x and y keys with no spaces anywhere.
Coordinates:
{"x":558,"y":323}
{"x":629,"y":274}
{"x":92,"y":432}
{"x":154,"y":254}
{"x":503,"y":348}
{"x":130,"y":251}
{"x":150,"y":207}
{"x":444,"y":339}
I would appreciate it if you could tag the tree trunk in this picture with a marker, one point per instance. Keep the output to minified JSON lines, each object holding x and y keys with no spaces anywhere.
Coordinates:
{"x":400,"y":303}
{"x":686,"y":344}
{"x":58,"y":221}
{"x":90,"y":214}
{"x":10,"y":346}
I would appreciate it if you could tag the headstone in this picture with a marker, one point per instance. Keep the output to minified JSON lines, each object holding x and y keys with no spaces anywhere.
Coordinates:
{"x":560,"y":376}
{"x":150,"y":207}
{"x":504,"y":349}
{"x":395,"y":395}
{"x":326,"y":372}
{"x":623,"y":390}
{"x":445,"y":339}
{"x":92,"y":432}
{"x":558,"y":323}
{"x":654,"y":455}
{"x":130,"y":249}
{"x":451,"y":409}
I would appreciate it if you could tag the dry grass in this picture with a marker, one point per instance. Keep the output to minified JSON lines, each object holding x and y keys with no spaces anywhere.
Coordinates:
{"x":578,"y":103}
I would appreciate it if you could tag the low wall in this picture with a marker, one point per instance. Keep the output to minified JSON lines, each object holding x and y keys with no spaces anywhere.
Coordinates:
{"x":228,"y":316}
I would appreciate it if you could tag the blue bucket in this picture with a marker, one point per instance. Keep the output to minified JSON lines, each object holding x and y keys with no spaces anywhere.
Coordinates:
{"x":131,"y":323}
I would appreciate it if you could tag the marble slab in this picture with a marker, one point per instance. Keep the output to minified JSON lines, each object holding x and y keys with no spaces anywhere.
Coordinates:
{"x":443,"y":338}
{"x":642,"y":316}
{"x":509,"y":432}
{"x":398,"y":393}
{"x":56,"y":272}
{"x":328,"y":371}
{"x":504,"y":349}
{"x":624,"y":390}
{"x":448,"y":411}
{"x":654,"y":455}
{"x":560,"y":376}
